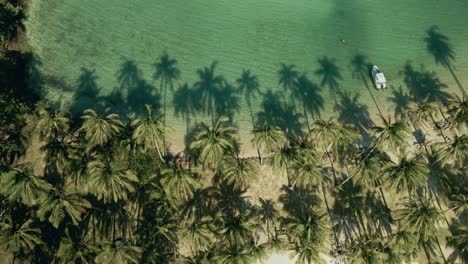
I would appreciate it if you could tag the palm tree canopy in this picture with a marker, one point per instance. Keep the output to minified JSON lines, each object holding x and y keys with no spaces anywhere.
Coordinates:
{"x":109,"y":181}
{"x":422,"y":217}
{"x":214,"y":142}
{"x":457,"y":108}
{"x":51,"y":124}
{"x":179,"y":183}
{"x":119,"y":252}
{"x":239,"y":172}
{"x":408,"y":174}
{"x":19,"y":238}
{"x":59,"y":205}
{"x":20,"y":185}
{"x":268,"y":138}
{"x":100,"y":130}
{"x":392,"y":136}
{"x":149,"y":132}
{"x":455,"y":152}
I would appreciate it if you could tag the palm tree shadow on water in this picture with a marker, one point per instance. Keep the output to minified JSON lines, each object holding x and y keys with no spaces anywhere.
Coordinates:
{"x":361,"y":70}
{"x":330,"y":75}
{"x":274,"y":111}
{"x":439,"y":47}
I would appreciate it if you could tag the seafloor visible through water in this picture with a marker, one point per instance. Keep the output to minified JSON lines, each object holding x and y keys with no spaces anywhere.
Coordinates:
{"x":101,"y":54}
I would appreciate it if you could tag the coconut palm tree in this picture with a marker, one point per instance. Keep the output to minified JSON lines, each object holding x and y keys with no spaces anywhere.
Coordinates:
{"x":149,"y":132}
{"x":214,"y":142}
{"x":179,"y":183}
{"x":99,"y":130}
{"x":392,"y":137}
{"x":408,"y":174}
{"x":199,"y":233}
{"x":267,"y":213}
{"x":368,"y":250}
{"x":62,"y":206}
{"x":458,"y":111}
{"x":118,"y":252}
{"x":459,"y":242}
{"x":20,"y":185}
{"x":51,"y":124}
{"x":268,"y":139}
{"x":404,"y":244}
{"x":166,"y":72}
{"x":439,"y":46}
{"x":235,"y":255}
{"x":237,"y":230}
{"x":239,"y":172}
{"x":76,"y":249}
{"x":281,"y":161}
{"x":287,"y":75}
{"x":330,"y":75}
{"x":19,"y":238}
{"x":109,"y":181}
{"x":208,"y":86}
{"x":424,"y":114}
{"x":422,"y":217}
{"x":455,"y":152}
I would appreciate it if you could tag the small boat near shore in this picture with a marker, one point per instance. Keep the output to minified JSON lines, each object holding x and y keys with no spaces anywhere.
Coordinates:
{"x":379,"y":78}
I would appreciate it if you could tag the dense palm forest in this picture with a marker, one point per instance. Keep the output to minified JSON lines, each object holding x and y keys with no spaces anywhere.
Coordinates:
{"x":106,"y":188}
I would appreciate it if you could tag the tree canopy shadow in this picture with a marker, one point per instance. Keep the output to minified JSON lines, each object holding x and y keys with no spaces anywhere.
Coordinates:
{"x":308,"y":93}
{"x":439,"y":47}
{"x":208,"y":85}
{"x":330,"y":74}
{"x":400,"y":100}
{"x":20,"y":76}
{"x":299,"y":200}
{"x":86,"y":95}
{"x":351,"y":111}
{"x":276,"y":112}
{"x":425,"y":85}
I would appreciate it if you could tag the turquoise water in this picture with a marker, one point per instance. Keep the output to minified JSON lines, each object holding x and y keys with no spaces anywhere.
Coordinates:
{"x":100,"y":36}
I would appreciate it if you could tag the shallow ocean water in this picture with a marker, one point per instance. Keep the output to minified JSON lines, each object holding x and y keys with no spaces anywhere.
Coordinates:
{"x":107,"y":37}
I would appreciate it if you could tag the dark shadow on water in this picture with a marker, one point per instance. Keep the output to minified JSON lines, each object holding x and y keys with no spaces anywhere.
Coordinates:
{"x":274,"y":111}
{"x":20,"y":76}
{"x":438,"y":45}
{"x":226,"y":101}
{"x":351,"y":111}
{"x":425,"y":85}
{"x":208,"y":85}
{"x":400,"y":99}
{"x":307,"y":93}
{"x":330,"y":75}
{"x":187,"y":104}
{"x":287,"y":75}
{"x":86,"y":95}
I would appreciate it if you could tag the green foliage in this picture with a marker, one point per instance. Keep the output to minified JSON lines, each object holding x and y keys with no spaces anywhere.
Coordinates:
{"x":10,"y":20}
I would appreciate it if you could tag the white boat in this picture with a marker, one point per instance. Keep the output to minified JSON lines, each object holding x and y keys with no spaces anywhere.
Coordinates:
{"x":379,"y":78}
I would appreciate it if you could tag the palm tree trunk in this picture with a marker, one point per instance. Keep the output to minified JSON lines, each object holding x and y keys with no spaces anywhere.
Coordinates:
{"x":332,"y":166}
{"x":329,"y":214}
{"x":440,"y":248}
{"x":456,"y":80}
{"x":253,"y":127}
{"x":159,"y":151}
{"x":268,"y":229}
{"x":425,"y":251}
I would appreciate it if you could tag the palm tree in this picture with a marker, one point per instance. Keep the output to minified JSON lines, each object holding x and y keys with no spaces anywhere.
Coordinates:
{"x":118,"y":252}
{"x":407,"y":175}
{"x":199,"y":234}
{"x":425,"y":112}
{"x":51,"y":124}
{"x":166,"y":72}
{"x":326,"y":133}
{"x":235,"y":255}
{"x":208,"y":85}
{"x":458,"y":111}
{"x":60,"y":206}
{"x":404,"y":244}
{"x":76,"y":249}
{"x":19,"y":239}
{"x":268,"y":138}
{"x":20,"y":185}
{"x":459,"y":242}
{"x":287,"y":76}
{"x":237,"y":230}
{"x":214,"y":142}
{"x":392,"y":136}
{"x":420,"y":215}
{"x":455,"y":152}
{"x":179,"y":183}
{"x":368,"y":250}
{"x":149,"y":131}
{"x":239,"y":172}
{"x":330,"y":74}
{"x":110,"y":182}
{"x":100,"y":130}
{"x":281,"y":161}
{"x":267,"y":213}
{"x":439,"y":47}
